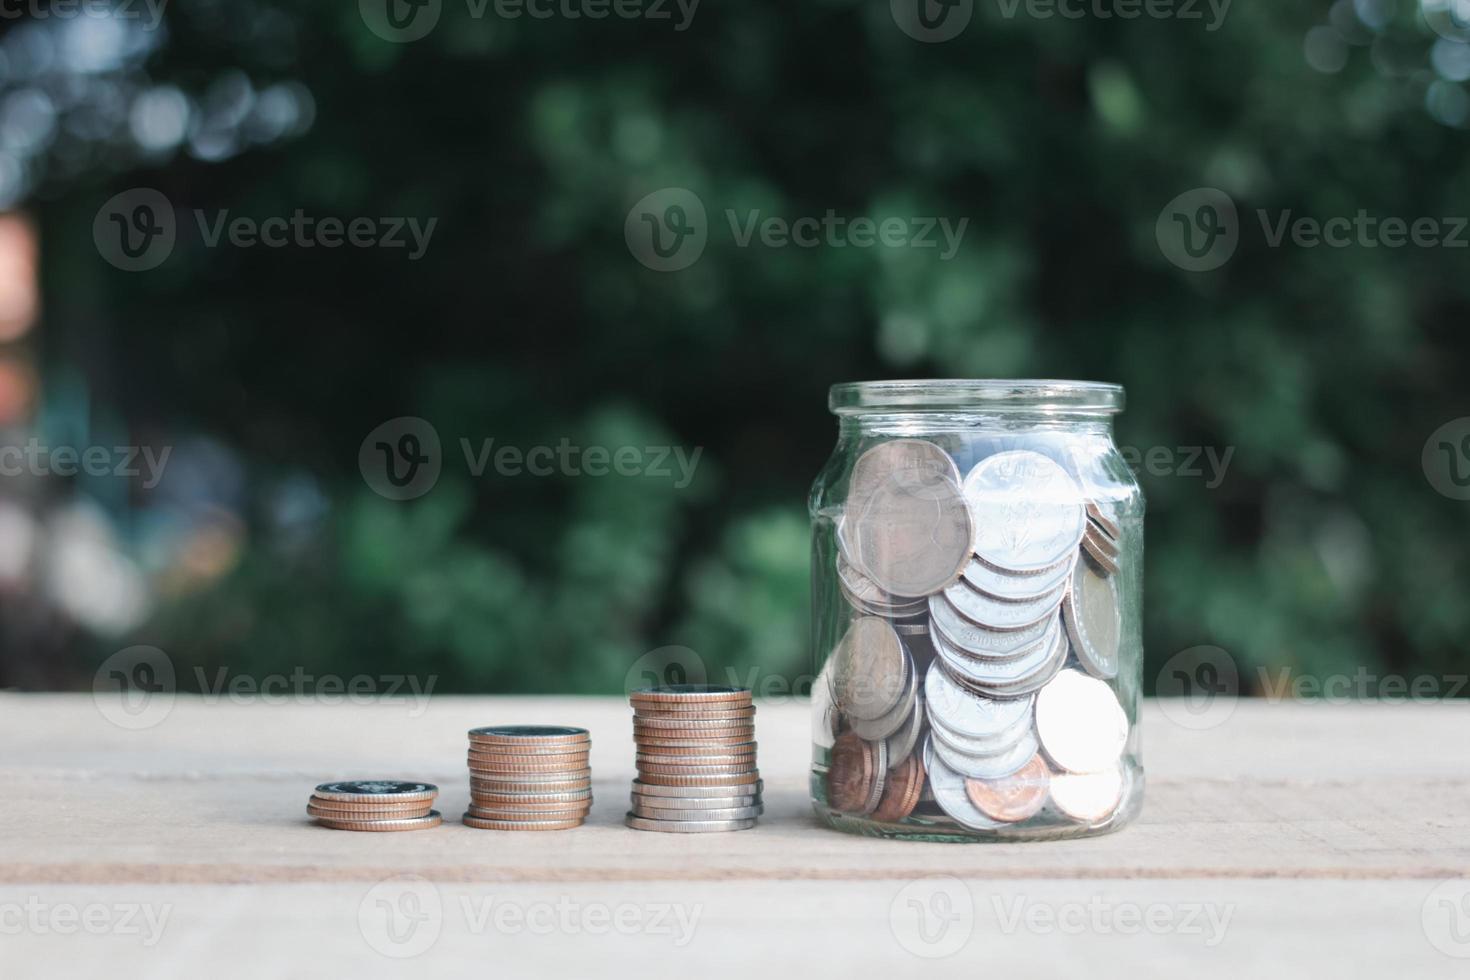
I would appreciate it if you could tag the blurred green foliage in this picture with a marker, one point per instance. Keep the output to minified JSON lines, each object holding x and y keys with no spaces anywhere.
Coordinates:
{"x":1324,"y":546}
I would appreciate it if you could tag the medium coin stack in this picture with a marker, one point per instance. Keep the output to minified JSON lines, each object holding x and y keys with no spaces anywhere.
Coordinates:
{"x":381,"y":805}
{"x":696,"y":760}
{"x":529,"y":777}
{"x":987,"y":623}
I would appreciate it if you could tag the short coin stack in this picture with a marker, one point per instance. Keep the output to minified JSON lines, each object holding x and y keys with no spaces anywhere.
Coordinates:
{"x":696,"y":760}
{"x":529,"y":777}
{"x":374,"y":805}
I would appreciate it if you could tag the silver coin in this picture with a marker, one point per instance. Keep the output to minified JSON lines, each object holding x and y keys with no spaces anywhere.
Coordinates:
{"x":531,"y":735}
{"x":1088,"y":797}
{"x":1027,"y":511}
{"x":979,"y":640}
{"x":1017,"y":588}
{"x":946,"y":648}
{"x":377,"y":791}
{"x":996,"y":766}
{"x":902,"y":611}
{"x":984,"y":746}
{"x":824,"y":708}
{"x":1081,"y":724}
{"x":1001,"y":614}
{"x":901,"y":743}
{"x":751,"y":788}
{"x":696,"y":805}
{"x":731,"y":813}
{"x":885,"y":725}
{"x":909,"y":532}
{"x":1098,"y":555}
{"x":687,"y":826}
{"x":880,"y":779}
{"x":875,"y":465}
{"x":951,"y":705}
{"x":949,"y":792}
{"x":1104,"y":543}
{"x":1009,"y":678}
{"x":912,"y":629}
{"x":1094,"y":620}
{"x":859,"y":587}
{"x":868,"y":679}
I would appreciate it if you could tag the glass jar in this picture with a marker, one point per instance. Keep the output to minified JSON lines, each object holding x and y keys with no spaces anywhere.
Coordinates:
{"x":977,"y":568}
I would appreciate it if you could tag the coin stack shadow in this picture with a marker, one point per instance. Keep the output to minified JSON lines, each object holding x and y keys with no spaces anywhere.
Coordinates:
{"x":696,"y":760}
{"x":529,"y":777}
{"x":383,"y":805}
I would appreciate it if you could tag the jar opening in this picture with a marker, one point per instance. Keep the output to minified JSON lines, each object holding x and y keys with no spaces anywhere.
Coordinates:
{"x":989,"y":394}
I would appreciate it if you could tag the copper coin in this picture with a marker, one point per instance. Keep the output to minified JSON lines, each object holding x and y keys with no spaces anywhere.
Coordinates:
{"x":571,"y":796}
{"x":1012,"y":798}
{"x":515,"y":768}
{"x":1104,"y":522}
{"x":901,"y":794}
{"x":693,"y":758}
{"x":501,"y":750}
{"x":494,"y":787}
{"x":851,"y":773}
{"x":692,"y":721}
{"x":685,"y":694}
{"x":432,"y":819}
{"x":696,"y":714}
{"x":1104,"y":543}
{"x":741,"y":733}
{"x":650,"y":744}
{"x":564,"y":759}
{"x":1098,"y":556}
{"x":380,"y":813}
{"x":479,"y":823}
{"x":530,"y":734}
{"x":702,"y":779}
{"x":734,"y":767}
{"x":560,"y":811}
{"x":377,"y":791}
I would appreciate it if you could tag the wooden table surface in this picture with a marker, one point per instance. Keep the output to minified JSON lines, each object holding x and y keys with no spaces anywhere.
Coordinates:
{"x":1291,"y":839}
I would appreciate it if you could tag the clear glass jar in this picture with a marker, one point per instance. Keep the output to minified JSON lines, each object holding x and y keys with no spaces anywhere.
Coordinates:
{"x":977,"y":569}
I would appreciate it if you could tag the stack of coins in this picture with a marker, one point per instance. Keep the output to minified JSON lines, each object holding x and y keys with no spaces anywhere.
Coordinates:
{"x":696,"y":760}
{"x":374,"y":805}
{"x":987,"y":625}
{"x":529,"y":777}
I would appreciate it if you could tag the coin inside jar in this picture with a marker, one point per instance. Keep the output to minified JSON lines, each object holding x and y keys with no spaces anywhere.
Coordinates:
{"x":901,"y":794}
{"x":1028,"y":512}
{"x":1089,"y":797}
{"x":868,"y":678}
{"x":1081,"y":725}
{"x":911,"y":532}
{"x":851,"y":774}
{"x":1094,"y":620}
{"x":1011,"y":799}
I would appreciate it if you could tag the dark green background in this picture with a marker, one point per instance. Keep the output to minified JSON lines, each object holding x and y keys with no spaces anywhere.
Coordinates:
{"x":1325,"y":369}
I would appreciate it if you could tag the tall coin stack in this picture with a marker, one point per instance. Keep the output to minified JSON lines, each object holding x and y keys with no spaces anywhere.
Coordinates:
{"x":377,"y":805}
{"x":529,"y":777}
{"x":986,"y":612}
{"x":696,"y":760}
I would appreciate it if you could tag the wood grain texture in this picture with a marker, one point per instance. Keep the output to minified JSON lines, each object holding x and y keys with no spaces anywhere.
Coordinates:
{"x":1312,"y":822}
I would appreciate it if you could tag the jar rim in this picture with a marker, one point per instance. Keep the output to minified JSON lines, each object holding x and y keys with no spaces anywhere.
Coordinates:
{"x":997,"y":394}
